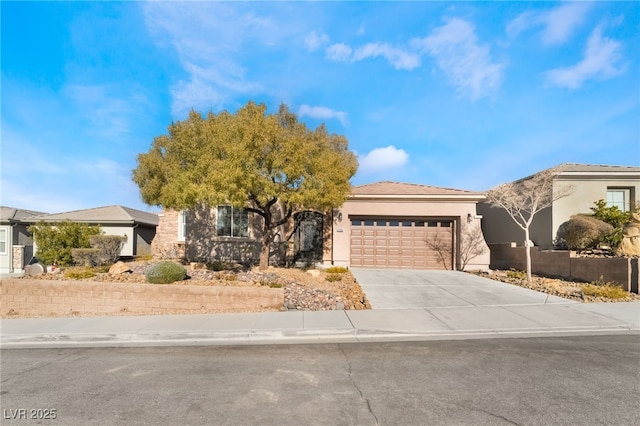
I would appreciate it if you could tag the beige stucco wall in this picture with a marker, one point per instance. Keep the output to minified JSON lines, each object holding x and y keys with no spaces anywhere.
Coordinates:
{"x":499,"y":227}
{"x":586,"y":192}
{"x":398,"y":208}
{"x":127,"y":231}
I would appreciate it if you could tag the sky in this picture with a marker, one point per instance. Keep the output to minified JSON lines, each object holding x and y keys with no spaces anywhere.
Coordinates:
{"x":462,"y":95}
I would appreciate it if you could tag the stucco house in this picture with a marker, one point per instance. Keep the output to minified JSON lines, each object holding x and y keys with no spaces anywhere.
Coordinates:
{"x":138,"y":226}
{"x":16,"y":242}
{"x":617,"y":185}
{"x":382,"y":225}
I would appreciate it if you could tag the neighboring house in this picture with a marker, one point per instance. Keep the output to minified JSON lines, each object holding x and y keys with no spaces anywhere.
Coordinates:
{"x":617,"y":185}
{"x":382,"y":225}
{"x":138,"y":226}
{"x":16,"y":242}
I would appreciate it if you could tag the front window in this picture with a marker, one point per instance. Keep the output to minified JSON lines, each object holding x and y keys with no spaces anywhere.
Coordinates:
{"x":232,"y":222}
{"x":3,"y":241}
{"x":618,"y":198}
{"x":182,"y":225}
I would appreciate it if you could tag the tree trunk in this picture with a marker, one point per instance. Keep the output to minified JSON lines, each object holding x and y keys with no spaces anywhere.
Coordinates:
{"x":528,"y":253}
{"x":264,"y":251}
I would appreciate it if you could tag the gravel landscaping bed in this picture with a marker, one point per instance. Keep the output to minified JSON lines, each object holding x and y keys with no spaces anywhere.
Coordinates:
{"x":304,"y":290}
{"x":574,"y":290}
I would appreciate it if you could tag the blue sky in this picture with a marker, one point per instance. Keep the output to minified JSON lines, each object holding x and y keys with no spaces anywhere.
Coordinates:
{"x":456,"y":94}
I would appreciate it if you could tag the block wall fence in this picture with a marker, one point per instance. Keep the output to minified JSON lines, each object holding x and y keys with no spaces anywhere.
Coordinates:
{"x":621,"y":271}
{"x":69,"y":298}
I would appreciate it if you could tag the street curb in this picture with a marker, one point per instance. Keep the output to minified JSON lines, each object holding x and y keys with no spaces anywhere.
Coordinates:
{"x":288,"y":337}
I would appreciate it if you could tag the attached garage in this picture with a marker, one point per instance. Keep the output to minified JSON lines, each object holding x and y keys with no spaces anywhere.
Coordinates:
{"x":402,"y":243}
{"x":401,"y":225}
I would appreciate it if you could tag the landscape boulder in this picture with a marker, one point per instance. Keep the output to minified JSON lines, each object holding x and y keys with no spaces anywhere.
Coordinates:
{"x":119,"y":268}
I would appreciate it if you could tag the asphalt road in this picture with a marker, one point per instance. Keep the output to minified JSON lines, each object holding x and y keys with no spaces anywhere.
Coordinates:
{"x":535,"y":381}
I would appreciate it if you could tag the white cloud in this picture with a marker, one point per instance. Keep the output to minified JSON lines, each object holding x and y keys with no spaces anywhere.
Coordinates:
{"x":601,"y":61}
{"x":558,"y":24}
{"x":322,"y":113}
{"x":467,"y":64}
{"x":385,"y":158}
{"x":209,"y":39}
{"x":398,"y":58}
{"x":339,"y":52}
{"x":314,"y":41}
{"x":110,"y":113}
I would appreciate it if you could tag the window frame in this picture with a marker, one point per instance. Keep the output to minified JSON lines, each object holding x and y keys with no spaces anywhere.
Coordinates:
{"x":4,"y":241}
{"x":626,"y":198}
{"x":234,"y":212}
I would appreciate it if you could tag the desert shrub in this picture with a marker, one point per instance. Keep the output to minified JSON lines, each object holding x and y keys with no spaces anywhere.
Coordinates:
{"x":165,"y":273}
{"x":519,"y":275}
{"x":582,"y":232}
{"x":614,"y":217}
{"x":79,"y":273}
{"x":337,"y":270}
{"x":271,"y":284}
{"x":608,"y":291}
{"x":333,"y":277}
{"x":218,"y":265}
{"x":85,"y":256}
{"x":108,"y":246}
{"x":55,"y":242}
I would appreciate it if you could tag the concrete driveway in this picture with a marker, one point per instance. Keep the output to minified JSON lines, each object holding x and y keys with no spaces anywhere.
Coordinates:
{"x":417,"y":289}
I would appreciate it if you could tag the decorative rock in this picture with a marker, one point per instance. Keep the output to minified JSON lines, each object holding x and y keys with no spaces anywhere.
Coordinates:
{"x":119,"y":268}
{"x":630,"y":245}
{"x":34,"y":270}
{"x":314,"y":273}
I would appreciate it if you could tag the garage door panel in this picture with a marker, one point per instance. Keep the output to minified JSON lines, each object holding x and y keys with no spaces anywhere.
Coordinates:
{"x":389,"y":243}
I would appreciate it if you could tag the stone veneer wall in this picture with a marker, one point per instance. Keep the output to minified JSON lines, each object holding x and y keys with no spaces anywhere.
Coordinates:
{"x":68,"y":298}
{"x":165,"y":243}
{"x":18,"y":258}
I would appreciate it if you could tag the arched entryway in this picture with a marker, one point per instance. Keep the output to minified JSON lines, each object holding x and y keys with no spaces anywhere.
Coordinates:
{"x":308,"y":237}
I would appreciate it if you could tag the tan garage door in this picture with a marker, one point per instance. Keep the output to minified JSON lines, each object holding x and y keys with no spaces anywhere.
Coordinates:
{"x":397,"y":243}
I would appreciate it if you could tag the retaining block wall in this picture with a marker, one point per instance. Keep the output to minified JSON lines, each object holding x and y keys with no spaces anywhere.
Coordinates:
{"x":68,"y":298}
{"x":563,"y":263}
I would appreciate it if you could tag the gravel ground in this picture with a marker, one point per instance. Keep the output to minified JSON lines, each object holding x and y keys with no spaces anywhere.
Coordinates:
{"x":555,"y":286}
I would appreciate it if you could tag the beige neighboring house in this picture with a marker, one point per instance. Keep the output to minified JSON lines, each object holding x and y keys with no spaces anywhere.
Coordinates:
{"x":381,"y":225}
{"x":138,"y":226}
{"x":16,"y":242}
{"x":617,"y":185}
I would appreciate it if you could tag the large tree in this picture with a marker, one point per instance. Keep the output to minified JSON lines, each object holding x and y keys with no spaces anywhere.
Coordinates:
{"x":270,"y":164}
{"x":523,"y":199}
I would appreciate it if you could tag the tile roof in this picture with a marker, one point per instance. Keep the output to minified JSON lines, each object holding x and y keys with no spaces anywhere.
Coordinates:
{"x":9,"y":214}
{"x":107,"y":214}
{"x":400,"y":189}
{"x":575,"y":167}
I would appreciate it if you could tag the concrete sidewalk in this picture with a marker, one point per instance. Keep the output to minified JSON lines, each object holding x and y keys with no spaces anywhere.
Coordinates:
{"x":437,"y":323}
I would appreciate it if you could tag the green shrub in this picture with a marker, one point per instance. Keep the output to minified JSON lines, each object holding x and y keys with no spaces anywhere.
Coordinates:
{"x":333,"y":277}
{"x":609,"y":291}
{"x":219,"y":265}
{"x":614,"y":217}
{"x":519,"y":275}
{"x":79,"y":273}
{"x":582,"y":232}
{"x":55,"y":242}
{"x":337,"y":270}
{"x":165,"y":273}
{"x":108,"y":246}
